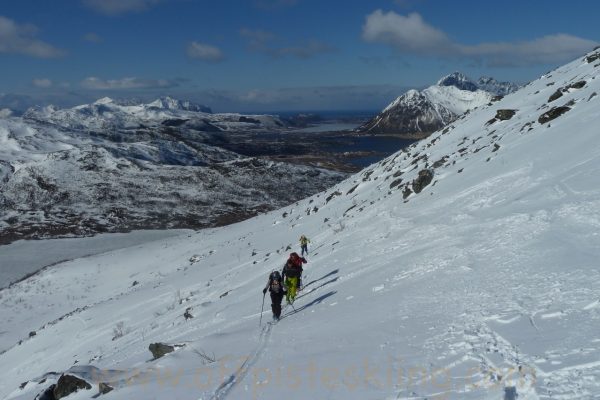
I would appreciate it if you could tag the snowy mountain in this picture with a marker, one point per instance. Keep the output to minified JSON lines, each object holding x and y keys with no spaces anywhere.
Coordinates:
{"x":107,"y":113}
{"x":106,"y":167}
{"x":175,"y":104}
{"x":464,"y":267}
{"x":416,"y":114}
{"x":484,"y":83}
{"x":497,"y":88}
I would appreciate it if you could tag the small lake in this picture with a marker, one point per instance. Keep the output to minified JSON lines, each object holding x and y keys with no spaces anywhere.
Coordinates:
{"x":337,"y":139}
{"x":329,"y":127}
{"x":380,"y":146}
{"x":333,"y":138}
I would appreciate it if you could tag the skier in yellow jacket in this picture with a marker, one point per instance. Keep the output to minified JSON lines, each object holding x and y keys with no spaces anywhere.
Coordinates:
{"x":304,"y":241}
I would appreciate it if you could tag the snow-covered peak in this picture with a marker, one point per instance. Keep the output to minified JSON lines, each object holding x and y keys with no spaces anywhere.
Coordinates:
{"x":458,"y":80}
{"x":107,"y":113}
{"x":170,"y":103}
{"x":456,"y":100}
{"x":498,"y":88}
{"x":104,"y":100}
{"x":411,"y":96}
{"x":485,"y":83}
{"x":417,"y":113}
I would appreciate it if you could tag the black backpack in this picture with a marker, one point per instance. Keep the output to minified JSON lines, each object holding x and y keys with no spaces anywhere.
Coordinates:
{"x":275,"y":281}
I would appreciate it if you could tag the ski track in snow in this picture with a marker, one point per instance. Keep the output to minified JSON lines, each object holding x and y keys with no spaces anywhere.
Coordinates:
{"x":240,"y":374}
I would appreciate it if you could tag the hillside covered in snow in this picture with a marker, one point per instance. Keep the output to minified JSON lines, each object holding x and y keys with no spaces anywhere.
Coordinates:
{"x":463,"y":267}
{"x":416,"y":114}
{"x":108,"y":166}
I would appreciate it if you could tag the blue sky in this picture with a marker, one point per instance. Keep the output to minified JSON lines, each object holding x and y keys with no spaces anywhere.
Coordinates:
{"x":259,"y":55}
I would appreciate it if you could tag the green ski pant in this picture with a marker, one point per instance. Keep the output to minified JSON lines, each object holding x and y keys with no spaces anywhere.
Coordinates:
{"x":292,"y":286}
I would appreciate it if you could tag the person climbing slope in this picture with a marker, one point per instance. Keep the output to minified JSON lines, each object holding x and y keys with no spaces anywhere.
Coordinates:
{"x":292,"y":275}
{"x":276,"y":290}
{"x":304,"y":241}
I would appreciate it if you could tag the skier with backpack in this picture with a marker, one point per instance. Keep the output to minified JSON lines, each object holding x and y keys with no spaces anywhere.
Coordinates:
{"x":304,"y":241}
{"x":276,"y":290}
{"x":292,"y":275}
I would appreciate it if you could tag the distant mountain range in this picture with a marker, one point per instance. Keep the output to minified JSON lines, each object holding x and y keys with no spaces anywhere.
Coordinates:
{"x":416,"y":114}
{"x":116,"y":166}
{"x":107,"y":113}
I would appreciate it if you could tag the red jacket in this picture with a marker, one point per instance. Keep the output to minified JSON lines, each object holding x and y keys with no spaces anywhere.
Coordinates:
{"x":293,"y":266}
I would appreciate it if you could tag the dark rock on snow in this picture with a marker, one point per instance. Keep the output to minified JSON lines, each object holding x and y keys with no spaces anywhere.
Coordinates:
{"x":504,"y":115}
{"x":159,"y":350}
{"x":425,"y":177}
{"x":104,"y":388}
{"x":47,"y":394}
{"x":593,"y":57}
{"x":68,"y":384}
{"x":556,"y":95}
{"x":553,"y":113}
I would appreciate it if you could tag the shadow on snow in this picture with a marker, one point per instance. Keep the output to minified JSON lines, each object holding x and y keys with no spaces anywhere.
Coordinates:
{"x":318,"y":300}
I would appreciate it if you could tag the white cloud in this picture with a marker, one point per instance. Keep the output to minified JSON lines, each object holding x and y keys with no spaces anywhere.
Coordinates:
{"x":204,"y":52}
{"x":126,"y":83}
{"x":42,"y":83}
{"x":412,"y":35}
{"x":116,"y":7}
{"x":5,"y":113}
{"x":20,"y":39}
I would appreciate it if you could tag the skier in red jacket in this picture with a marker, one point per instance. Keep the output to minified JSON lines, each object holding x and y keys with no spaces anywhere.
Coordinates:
{"x":292,"y":275}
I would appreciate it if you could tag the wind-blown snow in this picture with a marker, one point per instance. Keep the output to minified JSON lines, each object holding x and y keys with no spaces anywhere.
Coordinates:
{"x":484,"y":285}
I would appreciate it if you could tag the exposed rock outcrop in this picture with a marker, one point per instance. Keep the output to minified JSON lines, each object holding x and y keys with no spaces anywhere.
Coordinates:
{"x":553,"y":113}
{"x":159,"y":350}
{"x":425,"y":177}
{"x":68,"y":384}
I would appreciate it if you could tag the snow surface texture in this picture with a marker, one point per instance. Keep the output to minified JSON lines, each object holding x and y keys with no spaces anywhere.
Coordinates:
{"x":107,"y":167}
{"x":25,"y":257}
{"x":419,"y":113}
{"x":484,"y":285}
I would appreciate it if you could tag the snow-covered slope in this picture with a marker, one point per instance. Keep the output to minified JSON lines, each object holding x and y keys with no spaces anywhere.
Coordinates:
{"x":464,"y":267}
{"x":417,"y":114}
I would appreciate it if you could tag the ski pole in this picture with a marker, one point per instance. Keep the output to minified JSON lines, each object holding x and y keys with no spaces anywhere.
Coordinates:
{"x":261,"y":309}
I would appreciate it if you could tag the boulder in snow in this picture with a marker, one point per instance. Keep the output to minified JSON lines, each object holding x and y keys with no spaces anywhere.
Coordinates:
{"x":553,"y":113}
{"x":425,"y":177}
{"x":159,"y":350}
{"x":68,"y":384}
